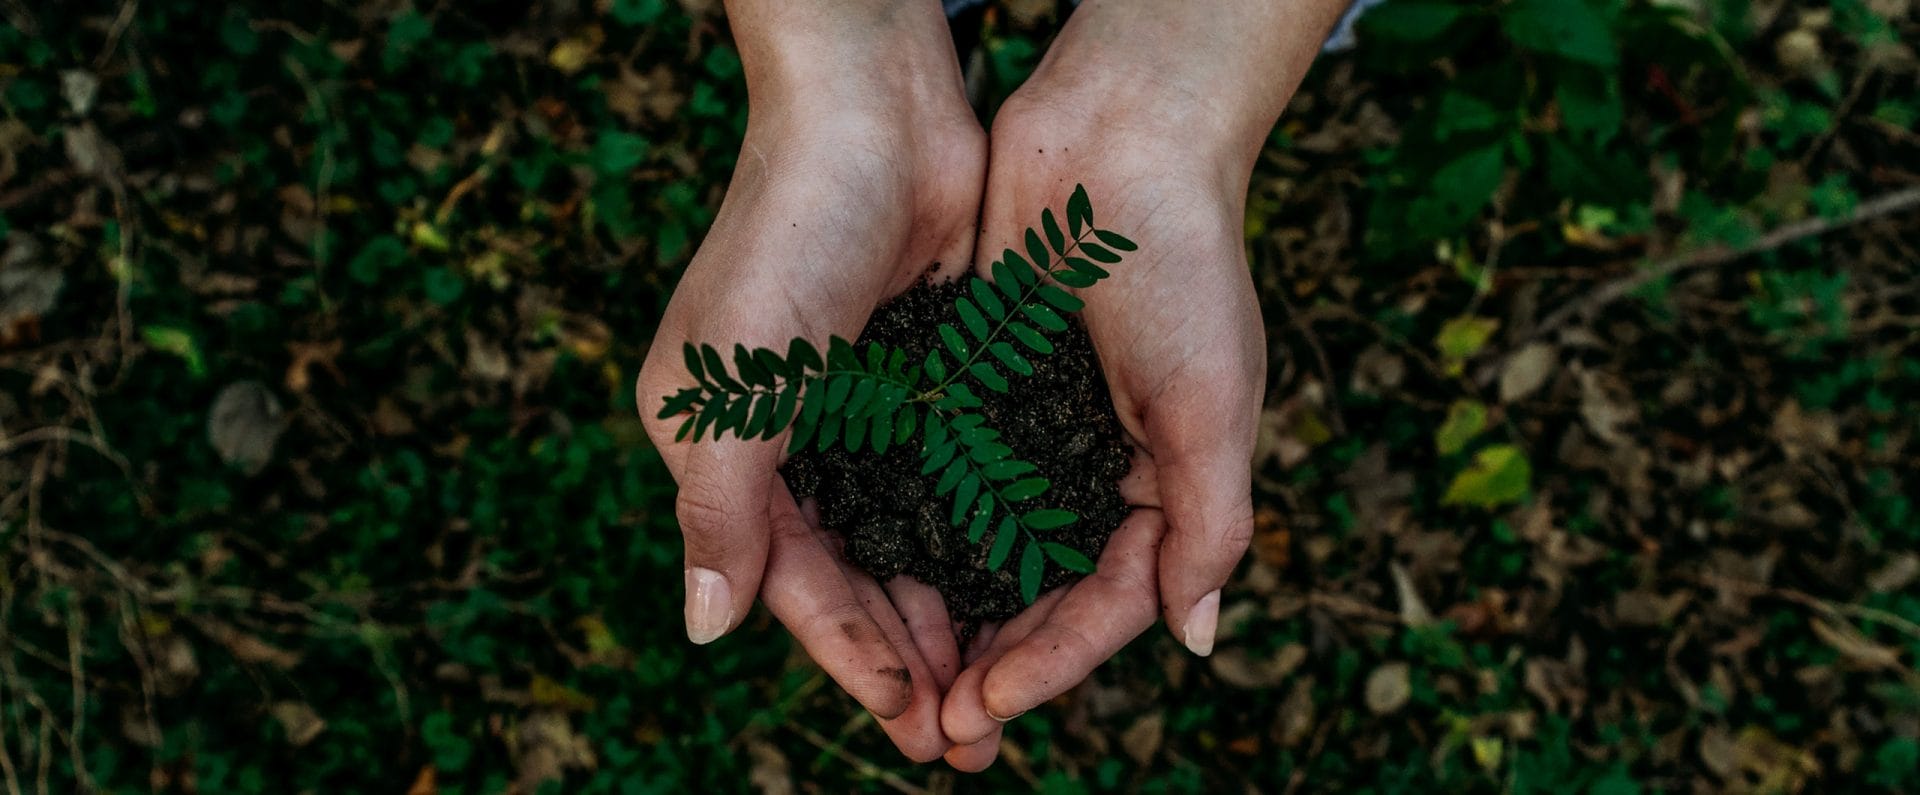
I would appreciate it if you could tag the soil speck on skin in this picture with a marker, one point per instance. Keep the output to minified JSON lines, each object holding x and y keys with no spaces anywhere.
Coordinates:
{"x":1060,"y":418}
{"x":905,"y":676}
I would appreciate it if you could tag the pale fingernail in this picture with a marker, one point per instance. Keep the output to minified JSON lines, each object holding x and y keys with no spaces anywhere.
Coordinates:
{"x":709,"y":605}
{"x":1202,"y":620}
{"x":1007,"y":718}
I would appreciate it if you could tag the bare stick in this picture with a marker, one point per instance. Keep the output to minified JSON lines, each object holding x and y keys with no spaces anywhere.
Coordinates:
{"x":1879,"y":207}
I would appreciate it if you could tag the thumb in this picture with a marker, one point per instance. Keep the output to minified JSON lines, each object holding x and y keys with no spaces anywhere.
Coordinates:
{"x":724,"y":508}
{"x":1206,"y":490}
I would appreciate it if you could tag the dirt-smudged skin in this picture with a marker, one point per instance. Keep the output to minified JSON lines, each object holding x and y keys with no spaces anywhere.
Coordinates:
{"x":1060,"y":418}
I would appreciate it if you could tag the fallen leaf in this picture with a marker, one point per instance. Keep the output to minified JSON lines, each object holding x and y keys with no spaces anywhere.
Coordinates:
{"x":1413,"y":611}
{"x":1142,"y":739}
{"x":1461,"y":338}
{"x":1389,"y":687}
{"x":301,"y":723}
{"x":1499,"y":475}
{"x":1465,"y":420}
{"x":244,"y":424}
{"x":768,"y":773}
{"x":1859,"y":650}
{"x":570,"y":55}
{"x":1295,"y":723}
{"x":425,"y":783}
{"x":1525,"y":371}
{"x":78,"y":87}
{"x":1272,"y":541}
{"x":1648,"y":608}
{"x":1607,"y":406}
{"x":1240,"y":668}
{"x":1896,"y":575}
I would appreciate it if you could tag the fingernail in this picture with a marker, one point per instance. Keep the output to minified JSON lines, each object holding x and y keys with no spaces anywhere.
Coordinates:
{"x":1007,"y":718}
{"x":709,"y":605}
{"x":1202,"y":620}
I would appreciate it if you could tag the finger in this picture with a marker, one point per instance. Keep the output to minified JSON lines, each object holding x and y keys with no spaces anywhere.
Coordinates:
{"x":1099,"y":615}
{"x":925,"y":614}
{"x":963,"y":715}
{"x":723,"y":508}
{"x":976,"y":757}
{"x":1141,"y":487}
{"x":806,"y":590}
{"x":983,"y":638}
{"x":1206,"y":487}
{"x":916,"y":732}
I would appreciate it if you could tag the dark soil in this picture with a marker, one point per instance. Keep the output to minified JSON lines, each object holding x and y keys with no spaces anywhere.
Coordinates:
{"x":1060,"y":418}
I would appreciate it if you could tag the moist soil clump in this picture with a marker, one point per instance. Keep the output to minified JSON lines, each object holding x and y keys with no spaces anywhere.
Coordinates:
{"x":1060,"y":418}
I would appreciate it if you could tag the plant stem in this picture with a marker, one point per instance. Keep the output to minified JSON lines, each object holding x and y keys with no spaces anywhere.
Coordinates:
{"x":1046,"y":271}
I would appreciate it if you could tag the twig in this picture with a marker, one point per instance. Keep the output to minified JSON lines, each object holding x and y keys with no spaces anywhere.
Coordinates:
{"x":861,"y":766}
{"x":1880,"y":207}
{"x":121,"y":22}
{"x":1830,"y":608}
{"x":77,"y":674}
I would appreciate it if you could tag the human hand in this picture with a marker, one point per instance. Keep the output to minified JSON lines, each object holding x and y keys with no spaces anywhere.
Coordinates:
{"x":861,"y":164}
{"x":1160,"y":112}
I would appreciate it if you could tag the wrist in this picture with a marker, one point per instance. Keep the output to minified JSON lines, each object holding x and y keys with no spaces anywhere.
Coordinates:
{"x":1213,"y":75}
{"x":855,"y":57}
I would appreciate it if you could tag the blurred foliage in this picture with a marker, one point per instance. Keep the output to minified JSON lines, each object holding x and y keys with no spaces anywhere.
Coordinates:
{"x":321,"y":471}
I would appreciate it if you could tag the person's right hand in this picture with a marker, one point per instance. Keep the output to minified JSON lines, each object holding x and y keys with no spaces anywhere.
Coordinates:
{"x":861,"y":166}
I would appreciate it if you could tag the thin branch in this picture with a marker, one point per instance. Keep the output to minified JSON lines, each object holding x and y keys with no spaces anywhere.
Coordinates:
{"x":860,"y":765}
{"x":1880,"y":207}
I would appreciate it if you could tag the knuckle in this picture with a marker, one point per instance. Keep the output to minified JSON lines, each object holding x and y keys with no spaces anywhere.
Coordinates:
{"x":710,"y":524}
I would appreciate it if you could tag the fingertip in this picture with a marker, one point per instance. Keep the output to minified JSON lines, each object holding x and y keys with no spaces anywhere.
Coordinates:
{"x":709,"y":610}
{"x":975,"y":757}
{"x":1201,"y":623}
{"x":962,"y":717}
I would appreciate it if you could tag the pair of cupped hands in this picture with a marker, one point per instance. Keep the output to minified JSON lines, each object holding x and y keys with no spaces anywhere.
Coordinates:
{"x":861,"y":167}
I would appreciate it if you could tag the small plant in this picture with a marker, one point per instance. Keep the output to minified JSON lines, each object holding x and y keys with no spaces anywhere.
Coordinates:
{"x":876,"y":399}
